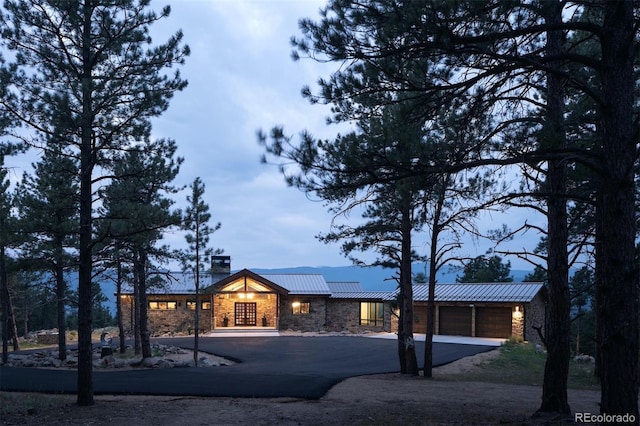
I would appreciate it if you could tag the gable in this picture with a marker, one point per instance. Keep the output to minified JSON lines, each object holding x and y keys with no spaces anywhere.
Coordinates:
{"x":246,"y":281}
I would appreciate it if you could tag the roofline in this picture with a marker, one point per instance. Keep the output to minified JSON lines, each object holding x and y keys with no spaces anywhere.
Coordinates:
{"x":215,"y":287}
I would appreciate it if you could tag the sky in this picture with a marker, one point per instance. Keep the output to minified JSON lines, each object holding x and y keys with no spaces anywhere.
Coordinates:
{"x":242,"y":79}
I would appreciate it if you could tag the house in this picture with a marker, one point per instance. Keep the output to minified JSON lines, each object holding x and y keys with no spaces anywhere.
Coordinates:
{"x":306,"y":302}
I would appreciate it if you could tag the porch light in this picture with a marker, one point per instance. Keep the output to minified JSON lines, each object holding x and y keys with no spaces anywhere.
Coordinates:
{"x":517,"y":314}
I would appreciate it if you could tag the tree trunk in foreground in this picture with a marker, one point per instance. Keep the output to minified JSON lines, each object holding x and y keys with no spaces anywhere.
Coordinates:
{"x":618,"y":286}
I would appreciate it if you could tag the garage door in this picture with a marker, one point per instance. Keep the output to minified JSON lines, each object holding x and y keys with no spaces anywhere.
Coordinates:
{"x":455,"y":321}
{"x":493,"y":322}
{"x":420,"y":319}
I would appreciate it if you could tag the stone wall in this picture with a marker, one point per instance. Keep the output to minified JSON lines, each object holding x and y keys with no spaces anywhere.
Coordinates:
{"x":169,"y":321}
{"x":535,"y":313}
{"x":344,"y":315}
{"x":315,"y":320}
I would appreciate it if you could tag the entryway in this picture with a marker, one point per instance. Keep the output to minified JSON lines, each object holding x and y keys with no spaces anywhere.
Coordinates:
{"x":245,"y":314}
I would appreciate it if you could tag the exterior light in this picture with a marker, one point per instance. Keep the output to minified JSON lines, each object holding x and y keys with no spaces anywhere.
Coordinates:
{"x":517,"y":308}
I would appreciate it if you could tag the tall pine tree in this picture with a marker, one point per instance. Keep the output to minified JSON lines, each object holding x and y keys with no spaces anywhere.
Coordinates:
{"x":197,"y":256}
{"x":49,"y":214}
{"x":89,"y":74}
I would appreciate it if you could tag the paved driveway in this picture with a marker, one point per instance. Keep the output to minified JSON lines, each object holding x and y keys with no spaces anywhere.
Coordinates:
{"x":301,"y":367}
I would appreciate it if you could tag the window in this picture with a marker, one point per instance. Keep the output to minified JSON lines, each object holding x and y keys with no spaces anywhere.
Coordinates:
{"x":371,"y":313}
{"x":191,"y":305}
{"x":163,"y":305}
{"x":300,"y":307}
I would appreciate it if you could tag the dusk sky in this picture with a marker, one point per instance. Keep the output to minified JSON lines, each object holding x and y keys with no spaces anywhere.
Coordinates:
{"x":242,"y":79}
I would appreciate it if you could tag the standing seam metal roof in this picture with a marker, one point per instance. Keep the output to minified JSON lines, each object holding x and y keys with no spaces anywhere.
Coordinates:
{"x":301,"y":283}
{"x":344,"y":286}
{"x":481,"y":292}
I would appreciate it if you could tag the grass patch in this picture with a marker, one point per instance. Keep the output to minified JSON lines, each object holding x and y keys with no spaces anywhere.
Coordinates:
{"x":521,"y":364}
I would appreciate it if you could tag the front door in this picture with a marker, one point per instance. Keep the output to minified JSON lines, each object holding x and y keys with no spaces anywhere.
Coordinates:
{"x":245,"y":313}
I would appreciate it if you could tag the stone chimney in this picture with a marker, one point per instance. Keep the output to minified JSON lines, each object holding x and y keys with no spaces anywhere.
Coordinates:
{"x":220,"y":268}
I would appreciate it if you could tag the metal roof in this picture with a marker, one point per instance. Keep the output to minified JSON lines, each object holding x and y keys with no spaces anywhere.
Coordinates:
{"x":365,"y":295}
{"x":344,"y":286}
{"x":300,"y":283}
{"x":172,"y":283}
{"x":481,"y":292}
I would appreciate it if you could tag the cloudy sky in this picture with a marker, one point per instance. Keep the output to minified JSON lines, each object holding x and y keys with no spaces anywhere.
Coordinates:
{"x":242,"y":79}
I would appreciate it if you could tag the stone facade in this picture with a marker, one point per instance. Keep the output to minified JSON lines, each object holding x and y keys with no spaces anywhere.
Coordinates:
{"x":535,"y":313}
{"x":344,"y":315}
{"x":178,"y":319}
{"x":313,"y":320}
{"x":266,"y":306}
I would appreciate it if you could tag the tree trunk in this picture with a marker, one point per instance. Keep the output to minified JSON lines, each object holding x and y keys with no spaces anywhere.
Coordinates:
{"x":85,"y":261}
{"x":61,"y":290}
{"x":433,"y":269}
{"x":431,"y":317}
{"x":4,"y":293}
{"x":558,"y":332}
{"x":406,"y":281}
{"x":121,"y":334}
{"x":141,"y":266}
{"x":619,"y":281}
{"x":401,"y":357}
{"x":196,"y":321}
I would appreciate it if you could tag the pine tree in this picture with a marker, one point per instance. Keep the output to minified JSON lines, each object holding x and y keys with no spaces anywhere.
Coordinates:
{"x":501,"y":55}
{"x":196,"y":224}
{"x":7,"y":237}
{"x":88,"y":74}
{"x":49,"y":214}
{"x":136,"y":212}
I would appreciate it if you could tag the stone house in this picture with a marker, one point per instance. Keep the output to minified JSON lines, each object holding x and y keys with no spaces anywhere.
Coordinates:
{"x":308,"y":303}
{"x":301,"y":302}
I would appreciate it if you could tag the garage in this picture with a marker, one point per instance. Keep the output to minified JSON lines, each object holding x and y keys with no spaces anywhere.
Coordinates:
{"x":420,"y":319}
{"x":493,"y":322}
{"x":455,"y":321}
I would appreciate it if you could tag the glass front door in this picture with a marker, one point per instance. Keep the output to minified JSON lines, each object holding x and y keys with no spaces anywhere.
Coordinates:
{"x":245,"y":313}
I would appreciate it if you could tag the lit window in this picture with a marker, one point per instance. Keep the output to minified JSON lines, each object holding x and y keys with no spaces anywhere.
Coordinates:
{"x":300,"y":307}
{"x":191,"y":305}
{"x":371,"y":313}
{"x":163,"y":305}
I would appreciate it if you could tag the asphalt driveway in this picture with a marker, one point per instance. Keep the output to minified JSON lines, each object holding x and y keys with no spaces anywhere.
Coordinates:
{"x":300,"y":367}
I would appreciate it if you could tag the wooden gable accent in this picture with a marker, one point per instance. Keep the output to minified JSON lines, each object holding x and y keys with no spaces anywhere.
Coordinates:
{"x":244,"y":275}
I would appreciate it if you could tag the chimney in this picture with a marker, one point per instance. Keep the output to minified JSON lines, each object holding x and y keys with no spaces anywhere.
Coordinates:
{"x":220,"y":268}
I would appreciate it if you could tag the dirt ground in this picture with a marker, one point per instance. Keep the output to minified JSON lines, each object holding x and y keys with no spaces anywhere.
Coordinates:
{"x":390,"y":399}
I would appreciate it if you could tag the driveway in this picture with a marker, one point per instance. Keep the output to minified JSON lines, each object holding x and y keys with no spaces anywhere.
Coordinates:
{"x":299,"y":367}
